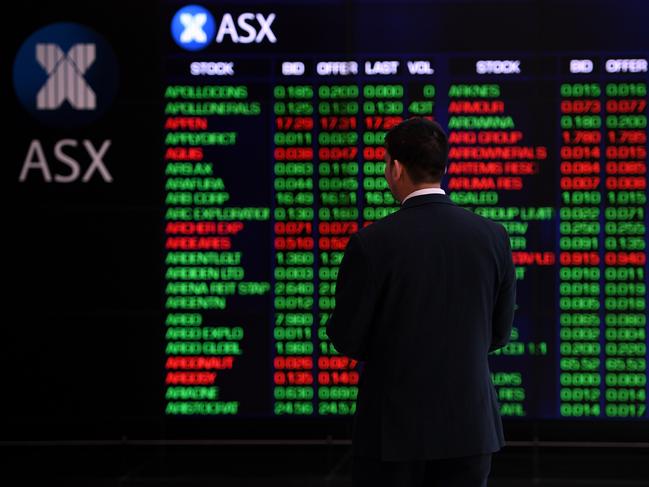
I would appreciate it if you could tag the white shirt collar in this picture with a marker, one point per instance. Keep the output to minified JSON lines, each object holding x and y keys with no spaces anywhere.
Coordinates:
{"x":424,"y":191}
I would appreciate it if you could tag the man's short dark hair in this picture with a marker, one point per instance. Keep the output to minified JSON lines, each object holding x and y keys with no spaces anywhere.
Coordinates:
{"x":421,"y":146}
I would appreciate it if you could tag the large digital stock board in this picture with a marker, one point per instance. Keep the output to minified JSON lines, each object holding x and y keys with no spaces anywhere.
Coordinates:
{"x":274,"y":155}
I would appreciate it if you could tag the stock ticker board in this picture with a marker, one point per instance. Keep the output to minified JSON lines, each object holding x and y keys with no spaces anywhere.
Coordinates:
{"x":274,"y":155}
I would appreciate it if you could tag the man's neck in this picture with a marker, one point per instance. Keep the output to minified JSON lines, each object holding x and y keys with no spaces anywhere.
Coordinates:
{"x":424,"y":186}
{"x":417,"y":187}
{"x":434,"y":188}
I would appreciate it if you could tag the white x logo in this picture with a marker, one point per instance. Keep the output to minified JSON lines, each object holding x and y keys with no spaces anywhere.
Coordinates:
{"x":193,"y":28}
{"x":65,"y":81}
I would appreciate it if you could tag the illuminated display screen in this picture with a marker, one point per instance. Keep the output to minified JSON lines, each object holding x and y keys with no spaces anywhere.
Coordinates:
{"x":274,"y":156}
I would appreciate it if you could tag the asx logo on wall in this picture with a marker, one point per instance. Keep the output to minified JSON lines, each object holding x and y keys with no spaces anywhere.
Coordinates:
{"x":194,"y":27}
{"x":66,"y":75}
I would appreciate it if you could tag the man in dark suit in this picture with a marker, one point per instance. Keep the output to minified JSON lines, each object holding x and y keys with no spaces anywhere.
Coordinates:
{"x":422,"y":297}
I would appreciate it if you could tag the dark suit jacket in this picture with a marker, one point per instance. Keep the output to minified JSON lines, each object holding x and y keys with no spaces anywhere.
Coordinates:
{"x":422,"y":296}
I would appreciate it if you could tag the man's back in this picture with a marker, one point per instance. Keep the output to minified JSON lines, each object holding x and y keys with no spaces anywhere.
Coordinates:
{"x":422,"y":297}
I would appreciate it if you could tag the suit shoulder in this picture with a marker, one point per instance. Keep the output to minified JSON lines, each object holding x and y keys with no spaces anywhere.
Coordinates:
{"x":378,"y":228}
{"x":493,"y":227}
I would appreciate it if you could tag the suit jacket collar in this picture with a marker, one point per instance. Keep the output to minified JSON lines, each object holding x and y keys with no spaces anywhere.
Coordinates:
{"x":424,"y":199}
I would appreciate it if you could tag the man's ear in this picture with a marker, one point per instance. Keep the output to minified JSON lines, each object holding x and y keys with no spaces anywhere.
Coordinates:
{"x":397,"y":169}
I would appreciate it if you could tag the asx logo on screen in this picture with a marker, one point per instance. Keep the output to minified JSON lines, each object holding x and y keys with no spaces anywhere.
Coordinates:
{"x":194,"y":27}
{"x":65,"y":76}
